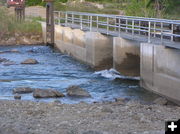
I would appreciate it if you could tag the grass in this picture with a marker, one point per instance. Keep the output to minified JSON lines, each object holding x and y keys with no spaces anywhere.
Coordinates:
{"x":9,"y":26}
{"x":125,"y":7}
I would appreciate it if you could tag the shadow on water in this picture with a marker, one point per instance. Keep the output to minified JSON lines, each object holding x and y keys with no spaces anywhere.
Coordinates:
{"x":59,"y":71}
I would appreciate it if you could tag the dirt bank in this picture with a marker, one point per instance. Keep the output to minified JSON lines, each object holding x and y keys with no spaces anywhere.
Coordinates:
{"x":15,"y":33}
{"x":22,"y":39}
{"x":23,"y":117}
{"x":33,"y":11}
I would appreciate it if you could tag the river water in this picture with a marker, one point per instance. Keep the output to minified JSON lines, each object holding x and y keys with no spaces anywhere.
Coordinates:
{"x":59,"y":71}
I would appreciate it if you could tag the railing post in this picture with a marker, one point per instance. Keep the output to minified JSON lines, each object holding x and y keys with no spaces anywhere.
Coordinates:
{"x":149,"y":33}
{"x":133,"y":28}
{"x":161,"y":32}
{"x":126,"y":25}
{"x":97,"y":23}
{"x":139,"y":27}
{"x":119,"y":27}
{"x":66,"y":19}
{"x":172,"y":30}
{"x":72,"y":18}
{"x":115,"y":28}
{"x":81,"y":24}
{"x":154,"y":29}
{"x":59,"y":18}
{"x":90,"y":23}
{"x":107,"y":26}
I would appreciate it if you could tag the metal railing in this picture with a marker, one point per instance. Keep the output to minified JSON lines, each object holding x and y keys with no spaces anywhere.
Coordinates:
{"x":148,"y":29}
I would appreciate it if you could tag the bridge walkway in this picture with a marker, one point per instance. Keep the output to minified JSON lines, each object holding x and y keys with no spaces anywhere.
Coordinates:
{"x":159,"y":31}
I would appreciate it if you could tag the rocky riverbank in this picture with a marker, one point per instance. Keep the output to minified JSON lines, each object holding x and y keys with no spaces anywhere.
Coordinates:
{"x":22,"y":39}
{"x":120,"y":117}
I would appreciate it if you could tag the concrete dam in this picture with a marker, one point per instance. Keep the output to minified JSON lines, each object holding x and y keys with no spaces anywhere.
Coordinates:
{"x":134,"y":46}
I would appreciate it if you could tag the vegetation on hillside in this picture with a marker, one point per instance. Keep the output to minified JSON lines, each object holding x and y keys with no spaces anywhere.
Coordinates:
{"x":9,"y":26}
{"x":147,"y":8}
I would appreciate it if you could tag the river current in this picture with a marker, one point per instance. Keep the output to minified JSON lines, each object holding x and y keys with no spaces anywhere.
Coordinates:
{"x":59,"y":71}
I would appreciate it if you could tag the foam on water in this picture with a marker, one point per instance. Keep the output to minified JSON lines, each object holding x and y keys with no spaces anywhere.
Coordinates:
{"x":113,"y":74}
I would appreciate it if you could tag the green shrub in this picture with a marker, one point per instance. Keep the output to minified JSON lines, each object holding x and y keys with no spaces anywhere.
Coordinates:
{"x":139,"y":8}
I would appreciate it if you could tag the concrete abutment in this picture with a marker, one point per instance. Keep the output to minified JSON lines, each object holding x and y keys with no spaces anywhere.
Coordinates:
{"x":160,"y":71}
{"x":92,"y":48}
{"x":99,"y":51}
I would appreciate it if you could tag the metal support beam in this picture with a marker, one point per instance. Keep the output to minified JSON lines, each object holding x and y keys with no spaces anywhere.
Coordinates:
{"x":50,"y":23}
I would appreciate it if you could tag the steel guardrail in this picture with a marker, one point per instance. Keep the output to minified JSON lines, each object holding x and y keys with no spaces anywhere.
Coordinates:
{"x":116,"y":25}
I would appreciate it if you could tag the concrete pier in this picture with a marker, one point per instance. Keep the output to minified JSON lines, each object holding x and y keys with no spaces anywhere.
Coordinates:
{"x":126,"y":56}
{"x":92,"y":48}
{"x":160,"y":70}
{"x":99,"y":50}
{"x":43,"y":25}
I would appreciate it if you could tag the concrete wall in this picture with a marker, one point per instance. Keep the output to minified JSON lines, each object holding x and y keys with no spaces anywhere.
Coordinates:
{"x":126,"y":56}
{"x":90,"y":47}
{"x":99,"y":50}
{"x":160,"y":70}
{"x":43,"y":31}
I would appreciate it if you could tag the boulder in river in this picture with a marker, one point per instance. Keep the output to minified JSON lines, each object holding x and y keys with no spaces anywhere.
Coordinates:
{"x":47,"y":93}
{"x":8,"y":63}
{"x":15,"y":51}
{"x":10,"y":51}
{"x":30,"y":61}
{"x":23,"y":90}
{"x":3,"y":60}
{"x":76,"y":91}
{"x":17,"y":97}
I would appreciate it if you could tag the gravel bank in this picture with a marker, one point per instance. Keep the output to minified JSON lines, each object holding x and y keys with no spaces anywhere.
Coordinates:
{"x":25,"y":117}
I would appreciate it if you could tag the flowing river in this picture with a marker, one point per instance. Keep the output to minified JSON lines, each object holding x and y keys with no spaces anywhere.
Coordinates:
{"x":59,"y":71}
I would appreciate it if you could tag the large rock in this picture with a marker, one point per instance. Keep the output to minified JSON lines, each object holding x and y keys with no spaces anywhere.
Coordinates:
{"x":76,"y":91}
{"x":48,"y":93}
{"x":17,"y":97}
{"x":23,"y":90}
{"x":3,"y":60}
{"x":8,"y":63}
{"x":10,"y":51}
{"x":15,"y":51}
{"x":30,"y":61}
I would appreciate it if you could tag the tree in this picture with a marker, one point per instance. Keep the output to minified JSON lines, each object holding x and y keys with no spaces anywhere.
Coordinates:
{"x":159,"y":5}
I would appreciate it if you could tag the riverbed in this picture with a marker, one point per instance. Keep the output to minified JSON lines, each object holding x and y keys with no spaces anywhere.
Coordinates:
{"x":59,"y":71}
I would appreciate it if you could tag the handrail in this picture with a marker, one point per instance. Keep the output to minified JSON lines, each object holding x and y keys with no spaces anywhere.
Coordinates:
{"x":120,"y":16}
{"x":116,"y":25}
